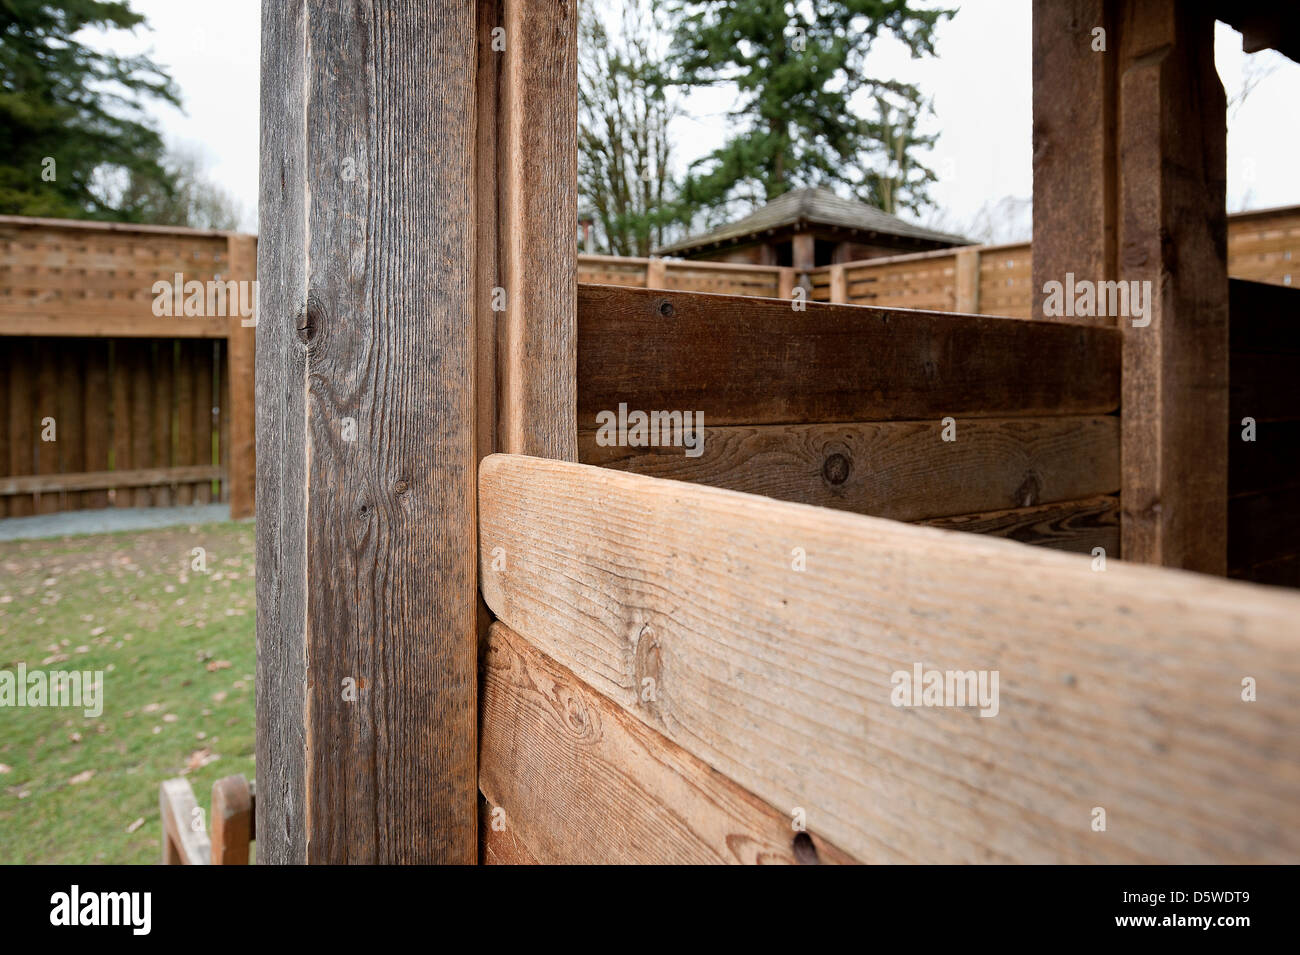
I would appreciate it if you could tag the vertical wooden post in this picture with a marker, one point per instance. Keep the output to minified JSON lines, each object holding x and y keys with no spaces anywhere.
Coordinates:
{"x":839,"y":284}
{"x":231,"y":821}
{"x":803,"y":252}
{"x":785,"y":279}
{"x":968,"y":280}
{"x":1129,"y":185}
{"x":366,"y":374}
{"x":655,"y":274}
{"x":241,"y":478}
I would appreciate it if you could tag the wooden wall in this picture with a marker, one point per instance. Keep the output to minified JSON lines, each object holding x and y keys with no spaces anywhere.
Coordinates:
{"x":141,"y":404}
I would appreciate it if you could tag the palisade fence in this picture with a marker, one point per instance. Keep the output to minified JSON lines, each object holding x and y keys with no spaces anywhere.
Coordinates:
{"x":143,"y":408}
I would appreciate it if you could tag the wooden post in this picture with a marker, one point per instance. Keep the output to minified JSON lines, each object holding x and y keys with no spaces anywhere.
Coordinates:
{"x":232,"y":823}
{"x":1129,"y":185}
{"x":785,"y":279}
{"x":418,"y":269}
{"x":803,"y":252}
{"x":242,"y":467}
{"x":655,"y":273}
{"x":968,"y":280}
{"x":839,"y":284}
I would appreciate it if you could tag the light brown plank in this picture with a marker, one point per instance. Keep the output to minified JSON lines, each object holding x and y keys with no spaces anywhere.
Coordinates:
{"x":1119,"y":689}
{"x":242,"y":463}
{"x":232,"y":820}
{"x":758,"y":361}
{"x":582,"y":781}
{"x":184,"y":837}
{"x":902,"y":470}
{"x":78,"y":324}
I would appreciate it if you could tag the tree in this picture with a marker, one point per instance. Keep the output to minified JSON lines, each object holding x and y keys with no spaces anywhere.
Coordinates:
{"x":623,"y":115}
{"x":796,"y":66}
{"x":72,"y":118}
{"x":899,"y":180}
{"x":187,"y":198}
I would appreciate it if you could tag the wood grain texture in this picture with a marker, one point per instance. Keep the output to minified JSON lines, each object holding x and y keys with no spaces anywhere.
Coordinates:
{"x":232,"y":820}
{"x":901,"y":470}
{"x":1173,"y":233}
{"x":583,"y":781}
{"x":1118,"y":689}
{"x":1073,"y":526}
{"x":95,"y":480}
{"x":758,"y":361}
{"x":499,"y":846}
{"x":537,"y":182}
{"x":184,"y":839}
{"x":366,"y":566}
{"x":242,"y":462}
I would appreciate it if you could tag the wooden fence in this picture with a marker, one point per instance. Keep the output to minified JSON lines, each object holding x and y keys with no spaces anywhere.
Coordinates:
{"x":103,"y":401}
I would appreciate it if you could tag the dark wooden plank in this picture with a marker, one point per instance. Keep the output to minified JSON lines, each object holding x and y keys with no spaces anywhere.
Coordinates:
{"x":203,"y":381}
{"x":744,"y":360}
{"x":162,"y":408}
{"x":366,"y":547}
{"x":46,"y":408}
{"x":1073,"y":526}
{"x":186,"y":453}
{"x":122,"y":370}
{"x":897,"y":469}
{"x":21,"y":423}
{"x":71,"y":415}
{"x":140,"y":356}
{"x":583,"y":781}
{"x":97,"y":416}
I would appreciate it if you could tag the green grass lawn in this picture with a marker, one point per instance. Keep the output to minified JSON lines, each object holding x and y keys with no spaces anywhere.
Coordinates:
{"x":177,"y":651}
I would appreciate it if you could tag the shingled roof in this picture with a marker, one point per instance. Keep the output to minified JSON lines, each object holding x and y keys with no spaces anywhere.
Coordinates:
{"x":806,"y":208}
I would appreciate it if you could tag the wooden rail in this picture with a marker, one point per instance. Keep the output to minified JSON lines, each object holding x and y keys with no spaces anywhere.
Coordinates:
{"x":768,"y":635}
{"x":185,"y":837}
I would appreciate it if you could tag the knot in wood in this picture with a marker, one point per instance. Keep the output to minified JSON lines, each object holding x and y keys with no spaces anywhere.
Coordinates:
{"x":836,"y":468}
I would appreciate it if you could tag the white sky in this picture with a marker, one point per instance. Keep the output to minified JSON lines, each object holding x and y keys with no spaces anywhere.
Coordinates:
{"x":980,"y":84}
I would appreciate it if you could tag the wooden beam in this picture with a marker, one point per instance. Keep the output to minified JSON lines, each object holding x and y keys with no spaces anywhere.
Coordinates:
{"x":758,"y":361}
{"x":1129,"y":185}
{"x":967,"y":280}
{"x":582,"y":781}
{"x":656,"y":274}
{"x":367,"y":619}
{"x":839,"y":285}
{"x":1073,"y":526}
{"x":232,"y":820}
{"x":899,"y":469}
{"x":535,"y":179}
{"x":242,"y":462}
{"x":184,"y":837}
{"x":101,"y":480}
{"x":1119,"y":689}
{"x":81,"y":323}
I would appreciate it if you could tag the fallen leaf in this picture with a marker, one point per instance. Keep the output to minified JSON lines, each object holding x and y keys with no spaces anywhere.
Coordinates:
{"x":82,"y":777}
{"x":135,"y":825}
{"x":216,"y":665}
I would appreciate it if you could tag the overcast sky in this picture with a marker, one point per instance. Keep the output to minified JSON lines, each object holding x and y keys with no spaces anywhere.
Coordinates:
{"x":980,"y":84}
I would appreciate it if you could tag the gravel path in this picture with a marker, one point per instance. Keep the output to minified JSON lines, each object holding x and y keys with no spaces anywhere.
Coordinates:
{"x":109,"y":520}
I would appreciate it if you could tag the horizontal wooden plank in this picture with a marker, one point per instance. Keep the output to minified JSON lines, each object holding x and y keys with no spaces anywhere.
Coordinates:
{"x":898,"y":469}
{"x":98,"y":480}
{"x":582,"y":781}
{"x":95,"y":323}
{"x":1118,"y":689}
{"x":741,"y":360}
{"x":1072,"y":526}
{"x":499,"y":846}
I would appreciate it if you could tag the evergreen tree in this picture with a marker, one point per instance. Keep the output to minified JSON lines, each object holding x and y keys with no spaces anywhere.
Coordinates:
{"x":797,"y":65}
{"x":72,"y":119}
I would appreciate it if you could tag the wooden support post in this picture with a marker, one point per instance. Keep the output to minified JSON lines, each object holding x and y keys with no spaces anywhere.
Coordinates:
{"x":242,"y":467}
{"x":803,"y":252}
{"x":366,"y":423}
{"x":232,"y":821}
{"x":839,"y":284}
{"x":968,"y":280}
{"x":785,"y":280}
{"x":655,"y":274}
{"x":1129,"y":184}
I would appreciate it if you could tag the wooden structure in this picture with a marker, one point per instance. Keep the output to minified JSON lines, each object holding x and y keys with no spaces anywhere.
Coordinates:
{"x":806,"y":228}
{"x":103,"y":401}
{"x":134,"y":404}
{"x":487,"y":633}
{"x":189,"y":837}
